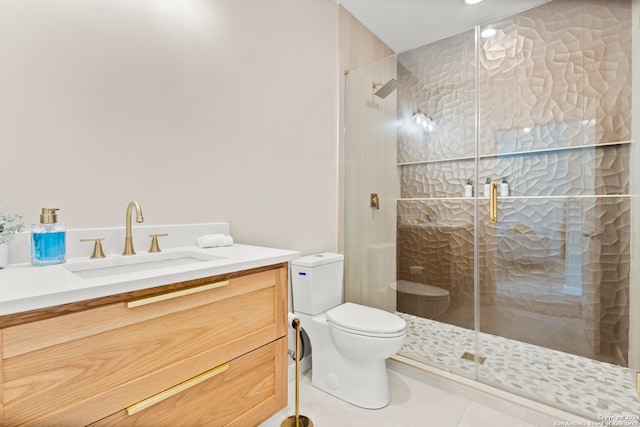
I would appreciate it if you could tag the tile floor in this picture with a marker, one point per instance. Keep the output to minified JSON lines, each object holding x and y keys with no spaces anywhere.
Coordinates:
{"x":428,"y":396}
{"x":588,"y":387}
{"x":413,"y":403}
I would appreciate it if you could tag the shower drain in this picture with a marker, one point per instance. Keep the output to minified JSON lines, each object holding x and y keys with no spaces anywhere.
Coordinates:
{"x":472,"y":357}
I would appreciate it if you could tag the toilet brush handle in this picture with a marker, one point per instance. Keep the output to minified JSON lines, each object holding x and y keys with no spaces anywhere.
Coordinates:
{"x":292,"y":318}
{"x":297,"y":420}
{"x":296,"y":325}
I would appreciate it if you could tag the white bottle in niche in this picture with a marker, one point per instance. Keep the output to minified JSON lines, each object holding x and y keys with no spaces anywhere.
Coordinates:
{"x":468,"y":188}
{"x":487,"y":188}
{"x":504,"y":188}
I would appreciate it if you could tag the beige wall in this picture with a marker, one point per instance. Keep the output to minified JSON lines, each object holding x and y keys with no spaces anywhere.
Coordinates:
{"x":358,"y":45}
{"x":203,"y":111}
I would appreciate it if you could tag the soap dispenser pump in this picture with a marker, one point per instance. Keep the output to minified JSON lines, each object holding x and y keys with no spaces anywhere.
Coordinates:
{"x":487,"y":188}
{"x":468,"y":188}
{"x":504,"y":187}
{"x":48,"y":239}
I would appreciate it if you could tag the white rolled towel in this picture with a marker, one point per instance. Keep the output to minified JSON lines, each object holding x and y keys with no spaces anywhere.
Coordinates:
{"x":214,"y":240}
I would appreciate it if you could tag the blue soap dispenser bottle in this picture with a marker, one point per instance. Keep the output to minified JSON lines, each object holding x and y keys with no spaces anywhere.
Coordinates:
{"x":48,"y":239}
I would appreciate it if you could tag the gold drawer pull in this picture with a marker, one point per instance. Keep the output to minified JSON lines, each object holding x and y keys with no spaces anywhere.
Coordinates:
{"x":176,"y":294}
{"x":144,"y":404}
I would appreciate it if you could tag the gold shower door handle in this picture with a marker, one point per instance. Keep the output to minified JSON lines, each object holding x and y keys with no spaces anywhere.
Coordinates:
{"x":493,"y":204}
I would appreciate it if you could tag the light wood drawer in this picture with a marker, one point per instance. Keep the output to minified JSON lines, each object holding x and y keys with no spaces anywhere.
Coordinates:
{"x":77,"y":368}
{"x":240,"y":395}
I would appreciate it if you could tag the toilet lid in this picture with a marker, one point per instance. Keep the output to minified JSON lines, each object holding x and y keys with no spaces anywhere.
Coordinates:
{"x":358,"y":317}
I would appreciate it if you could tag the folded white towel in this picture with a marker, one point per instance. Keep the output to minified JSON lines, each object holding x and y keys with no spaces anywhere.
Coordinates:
{"x":214,"y":240}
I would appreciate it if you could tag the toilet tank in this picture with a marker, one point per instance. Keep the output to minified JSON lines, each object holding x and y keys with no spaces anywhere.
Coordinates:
{"x":316,"y":282}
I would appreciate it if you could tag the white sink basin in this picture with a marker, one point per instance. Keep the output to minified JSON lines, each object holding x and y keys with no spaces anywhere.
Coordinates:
{"x":141,"y":262}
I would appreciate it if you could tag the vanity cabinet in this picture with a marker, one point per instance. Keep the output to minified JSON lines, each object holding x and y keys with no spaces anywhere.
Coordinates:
{"x":211,"y":351}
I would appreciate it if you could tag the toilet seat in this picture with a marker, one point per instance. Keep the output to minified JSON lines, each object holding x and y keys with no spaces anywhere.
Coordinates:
{"x":367,"y":321}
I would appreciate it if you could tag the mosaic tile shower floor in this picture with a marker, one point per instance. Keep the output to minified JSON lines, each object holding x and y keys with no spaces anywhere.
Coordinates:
{"x":577,"y":384}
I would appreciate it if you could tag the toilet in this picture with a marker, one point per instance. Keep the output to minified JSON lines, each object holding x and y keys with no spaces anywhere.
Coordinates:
{"x":349,"y":342}
{"x":422,"y":300}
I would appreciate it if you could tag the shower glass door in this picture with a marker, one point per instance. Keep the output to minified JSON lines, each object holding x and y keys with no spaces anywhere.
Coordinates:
{"x":537,"y":302}
{"x":371,"y":185}
{"x":553,"y":135}
{"x":436,"y":156}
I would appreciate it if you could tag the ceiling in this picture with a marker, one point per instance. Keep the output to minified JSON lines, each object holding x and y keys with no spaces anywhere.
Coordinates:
{"x":406,"y":24}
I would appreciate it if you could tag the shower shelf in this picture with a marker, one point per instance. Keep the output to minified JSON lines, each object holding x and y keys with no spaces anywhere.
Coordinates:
{"x":577,"y":196}
{"x":516,"y":153}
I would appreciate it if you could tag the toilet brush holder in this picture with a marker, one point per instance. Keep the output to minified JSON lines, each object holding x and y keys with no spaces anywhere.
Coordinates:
{"x":297,"y":420}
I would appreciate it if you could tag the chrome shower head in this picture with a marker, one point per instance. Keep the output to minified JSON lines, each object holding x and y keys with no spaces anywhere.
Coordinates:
{"x":386,"y":88}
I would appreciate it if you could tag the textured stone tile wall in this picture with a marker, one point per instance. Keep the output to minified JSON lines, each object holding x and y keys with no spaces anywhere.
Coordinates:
{"x":555,"y":80}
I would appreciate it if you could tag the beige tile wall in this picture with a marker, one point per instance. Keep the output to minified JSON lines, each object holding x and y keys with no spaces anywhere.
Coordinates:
{"x":367,"y":166}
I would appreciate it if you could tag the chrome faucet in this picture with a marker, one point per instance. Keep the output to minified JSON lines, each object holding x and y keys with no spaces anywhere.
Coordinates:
{"x":128,"y":239}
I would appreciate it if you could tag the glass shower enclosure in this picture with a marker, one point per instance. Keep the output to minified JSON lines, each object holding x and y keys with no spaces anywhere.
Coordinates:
{"x":522,"y":280}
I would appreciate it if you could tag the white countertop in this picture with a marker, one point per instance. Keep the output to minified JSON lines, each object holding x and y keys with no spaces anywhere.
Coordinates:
{"x":25,"y":287}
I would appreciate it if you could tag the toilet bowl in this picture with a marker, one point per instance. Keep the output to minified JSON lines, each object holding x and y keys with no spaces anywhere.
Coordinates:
{"x":350,"y":342}
{"x":421,"y":299}
{"x":365,"y":333}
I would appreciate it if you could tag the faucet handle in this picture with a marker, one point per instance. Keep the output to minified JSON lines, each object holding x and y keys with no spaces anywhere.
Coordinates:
{"x":97,"y":247}
{"x":154,"y":242}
